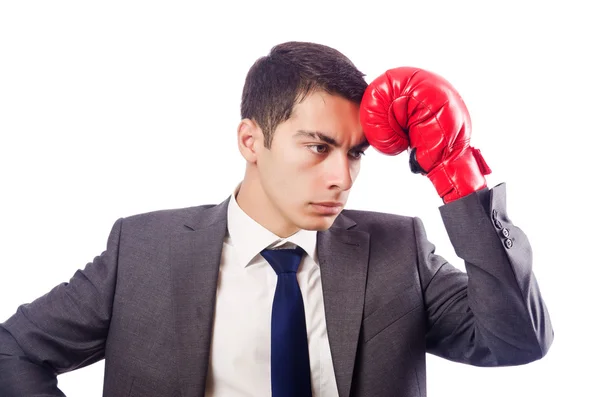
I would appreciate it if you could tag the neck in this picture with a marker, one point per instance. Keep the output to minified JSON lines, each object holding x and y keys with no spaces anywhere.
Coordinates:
{"x":256,"y":204}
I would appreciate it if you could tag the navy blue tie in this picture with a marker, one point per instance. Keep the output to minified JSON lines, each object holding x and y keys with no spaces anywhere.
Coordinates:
{"x":290,"y":365}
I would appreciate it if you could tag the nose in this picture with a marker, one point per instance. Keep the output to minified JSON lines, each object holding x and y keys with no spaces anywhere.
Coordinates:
{"x":341,"y":172}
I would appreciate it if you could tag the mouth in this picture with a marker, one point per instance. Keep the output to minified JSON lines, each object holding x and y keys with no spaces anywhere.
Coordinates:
{"x":328,"y":207}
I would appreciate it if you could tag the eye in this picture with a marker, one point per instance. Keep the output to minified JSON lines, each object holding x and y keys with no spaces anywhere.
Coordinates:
{"x":357,"y":154}
{"x":319,"y":149}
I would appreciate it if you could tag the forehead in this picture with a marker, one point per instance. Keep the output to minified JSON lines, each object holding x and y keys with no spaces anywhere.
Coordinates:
{"x":318,"y":100}
{"x":331,"y":114}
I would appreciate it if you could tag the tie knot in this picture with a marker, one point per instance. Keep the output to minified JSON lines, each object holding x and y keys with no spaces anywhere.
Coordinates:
{"x":283,"y":260}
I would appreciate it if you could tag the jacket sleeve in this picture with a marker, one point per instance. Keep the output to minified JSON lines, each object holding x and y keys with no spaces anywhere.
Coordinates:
{"x":60,"y":331}
{"x":494,"y":314}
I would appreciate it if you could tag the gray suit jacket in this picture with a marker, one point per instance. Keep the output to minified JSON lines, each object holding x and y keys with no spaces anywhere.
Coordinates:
{"x":146,"y":304}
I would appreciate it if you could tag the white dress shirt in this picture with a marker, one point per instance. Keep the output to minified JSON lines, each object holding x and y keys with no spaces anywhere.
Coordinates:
{"x":241,"y":344}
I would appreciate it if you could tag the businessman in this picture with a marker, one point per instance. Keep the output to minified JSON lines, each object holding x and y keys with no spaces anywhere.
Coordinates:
{"x":278,"y":290}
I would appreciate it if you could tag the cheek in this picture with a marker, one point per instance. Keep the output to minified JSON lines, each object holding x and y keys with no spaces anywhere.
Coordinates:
{"x":296,"y":176}
{"x":355,"y":169}
{"x":288,"y":181}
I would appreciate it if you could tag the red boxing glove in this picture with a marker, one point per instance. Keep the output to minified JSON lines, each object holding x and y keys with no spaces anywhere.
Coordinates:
{"x":408,"y":106}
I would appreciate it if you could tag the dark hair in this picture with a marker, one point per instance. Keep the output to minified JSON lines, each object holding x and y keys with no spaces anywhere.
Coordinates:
{"x":291,"y":71}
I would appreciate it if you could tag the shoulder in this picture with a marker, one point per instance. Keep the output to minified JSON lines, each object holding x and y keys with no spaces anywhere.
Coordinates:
{"x":375,"y":220}
{"x":168,"y":215}
{"x":166,"y":220}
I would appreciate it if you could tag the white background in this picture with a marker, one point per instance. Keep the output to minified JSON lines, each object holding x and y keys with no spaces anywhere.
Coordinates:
{"x":113,"y":108}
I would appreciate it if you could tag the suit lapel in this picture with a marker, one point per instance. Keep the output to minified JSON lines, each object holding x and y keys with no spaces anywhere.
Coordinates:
{"x":343,"y":256}
{"x":195,"y":258}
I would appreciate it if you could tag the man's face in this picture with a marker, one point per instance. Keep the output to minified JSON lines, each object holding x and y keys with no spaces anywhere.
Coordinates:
{"x":313,"y":162}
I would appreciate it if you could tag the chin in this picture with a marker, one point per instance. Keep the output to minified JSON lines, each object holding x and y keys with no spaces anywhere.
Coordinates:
{"x":320,"y":223}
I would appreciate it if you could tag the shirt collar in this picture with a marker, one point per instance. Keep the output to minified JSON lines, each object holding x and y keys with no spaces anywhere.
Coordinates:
{"x":249,"y":238}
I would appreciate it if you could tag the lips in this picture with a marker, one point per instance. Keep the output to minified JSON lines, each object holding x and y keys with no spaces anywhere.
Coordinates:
{"x":328,"y":207}
{"x":330,"y":204}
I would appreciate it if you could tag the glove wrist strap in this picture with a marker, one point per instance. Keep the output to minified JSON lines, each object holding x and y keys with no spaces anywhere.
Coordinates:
{"x":460,"y":175}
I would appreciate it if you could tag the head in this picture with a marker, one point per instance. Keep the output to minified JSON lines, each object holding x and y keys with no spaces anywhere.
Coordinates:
{"x":301,"y":136}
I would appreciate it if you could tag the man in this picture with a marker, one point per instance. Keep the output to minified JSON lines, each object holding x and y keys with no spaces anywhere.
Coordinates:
{"x":278,"y":290}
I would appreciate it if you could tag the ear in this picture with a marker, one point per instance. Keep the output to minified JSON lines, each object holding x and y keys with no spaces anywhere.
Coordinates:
{"x":250,"y":139}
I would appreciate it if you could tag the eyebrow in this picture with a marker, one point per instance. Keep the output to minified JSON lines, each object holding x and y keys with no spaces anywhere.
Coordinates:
{"x":327,"y":139}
